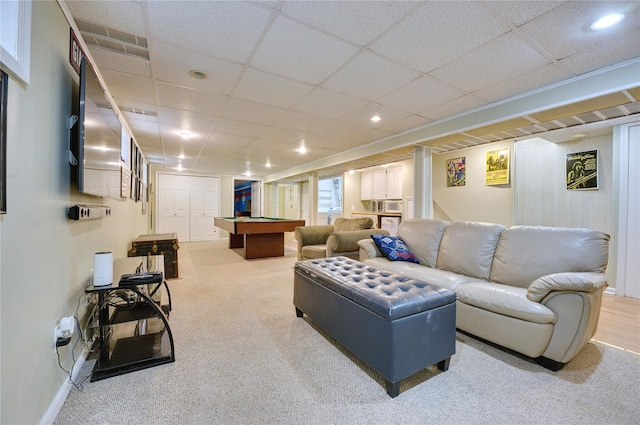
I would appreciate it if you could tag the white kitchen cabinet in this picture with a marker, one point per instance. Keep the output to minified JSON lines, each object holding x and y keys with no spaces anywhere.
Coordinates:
{"x":366,"y":185}
{"x":379,"y":190}
{"x":394,"y":183}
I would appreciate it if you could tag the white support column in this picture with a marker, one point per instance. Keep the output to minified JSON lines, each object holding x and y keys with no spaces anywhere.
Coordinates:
{"x":313,"y":199}
{"x":422,"y":182}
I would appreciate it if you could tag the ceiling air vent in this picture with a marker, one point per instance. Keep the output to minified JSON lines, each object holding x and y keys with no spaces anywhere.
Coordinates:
{"x":113,"y":40}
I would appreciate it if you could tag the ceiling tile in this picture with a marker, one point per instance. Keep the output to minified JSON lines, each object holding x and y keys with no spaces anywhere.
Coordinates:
{"x":561,"y":40}
{"x":171,"y":134}
{"x":496,"y":61}
{"x":456,"y":106}
{"x":302,"y":122}
{"x":124,"y":16}
{"x":357,"y":80}
{"x":357,"y":21}
{"x":186,"y":119}
{"x":283,"y":135}
{"x":524,"y":82}
{"x":327,"y":103}
{"x":173,"y":64}
{"x":118,"y":62}
{"x":129,"y":86}
{"x":407,"y":123}
{"x":232,"y":28}
{"x":243,"y":110}
{"x":294,"y":57}
{"x":617,"y":51}
{"x":179,"y":97}
{"x":268,"y":89}
{"x":420,"y":94}
{"x":240,"y":128}
{"x":520,"y":12}
{"x":430,"y":38}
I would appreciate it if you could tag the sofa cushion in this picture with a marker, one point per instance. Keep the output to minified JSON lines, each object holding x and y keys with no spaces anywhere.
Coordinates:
{"x":505,"y":300}
{"x":525,"y":253}
{"x":467,"y":248}
{"x":394,"y":248}
{"x":423,"y":236}
{"x":442,"y":278}
{"x":349,"y":224}
{"x":310,"y":252}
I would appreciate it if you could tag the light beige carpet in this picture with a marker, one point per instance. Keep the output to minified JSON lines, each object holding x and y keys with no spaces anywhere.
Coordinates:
{"x":243,"y":357}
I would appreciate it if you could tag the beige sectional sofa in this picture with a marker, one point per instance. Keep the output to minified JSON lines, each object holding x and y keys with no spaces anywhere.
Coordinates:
{"x":535,"y":290}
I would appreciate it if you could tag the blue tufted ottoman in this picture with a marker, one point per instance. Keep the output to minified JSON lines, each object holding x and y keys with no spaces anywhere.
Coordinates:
{"x":395,"y":324}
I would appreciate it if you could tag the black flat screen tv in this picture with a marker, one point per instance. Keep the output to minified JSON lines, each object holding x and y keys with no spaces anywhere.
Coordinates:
{"x":95,"y":139}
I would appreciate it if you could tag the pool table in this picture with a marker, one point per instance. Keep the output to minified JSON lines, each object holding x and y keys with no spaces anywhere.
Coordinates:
{"x":260,"y":237}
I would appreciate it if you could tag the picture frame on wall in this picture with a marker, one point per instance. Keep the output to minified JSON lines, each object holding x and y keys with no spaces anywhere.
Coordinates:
{"x":456,"y":172}
{"x":497,"y":167}
{"x":4,"y":83}
{"x":582,"y":170}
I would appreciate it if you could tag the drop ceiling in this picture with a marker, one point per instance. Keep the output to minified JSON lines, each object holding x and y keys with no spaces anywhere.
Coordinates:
{"x":281,"y":74}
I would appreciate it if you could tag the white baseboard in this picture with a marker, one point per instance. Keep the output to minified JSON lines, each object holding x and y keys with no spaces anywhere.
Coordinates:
{"x":610,"y":290}
{"x":63,"y":392}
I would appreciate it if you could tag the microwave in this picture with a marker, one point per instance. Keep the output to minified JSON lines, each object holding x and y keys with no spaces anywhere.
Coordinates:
{"x":393,"y":206}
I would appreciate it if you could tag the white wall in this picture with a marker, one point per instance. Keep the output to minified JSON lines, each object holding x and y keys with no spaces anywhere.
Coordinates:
{"x":541,"y":196}
{"x":46,"y":258}
{"x":475,"y":201}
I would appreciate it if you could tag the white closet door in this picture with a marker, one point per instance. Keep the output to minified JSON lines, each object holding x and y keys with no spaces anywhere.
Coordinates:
{"x":204,"y":207}
{"x":173,"y":205}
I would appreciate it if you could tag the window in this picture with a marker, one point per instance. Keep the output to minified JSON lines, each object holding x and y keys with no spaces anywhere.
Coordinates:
{"x":329,"y":199}
{"x":15,"y":37}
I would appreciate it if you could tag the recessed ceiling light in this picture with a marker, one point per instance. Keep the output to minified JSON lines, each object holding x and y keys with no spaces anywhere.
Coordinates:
{"x":302,"y":149}
{"x":607,"y":21}
{"x":198,"y":75}
{"x":268,"y":164}
{"x":185,"y":134}
{"x":375,"y":118}
{"x":578,"y":136}
{"x":179,"y":168}
{"x":248,"y":173}
{"x":181,"y":156}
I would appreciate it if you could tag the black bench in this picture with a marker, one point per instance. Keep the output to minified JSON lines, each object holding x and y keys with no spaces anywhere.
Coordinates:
{"x":395,"y":324}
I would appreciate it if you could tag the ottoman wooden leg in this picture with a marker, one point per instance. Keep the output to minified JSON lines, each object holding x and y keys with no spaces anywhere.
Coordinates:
{"x":299,"y":312}
{"x":444,"y":364}
{"x":393,"y":388}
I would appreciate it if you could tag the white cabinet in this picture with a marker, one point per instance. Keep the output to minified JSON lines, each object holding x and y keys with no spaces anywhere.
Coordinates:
{"x":379,"y":190}
{"x":381,"y":184}
{"x":366,"y":185}
{"x":394,"y":183}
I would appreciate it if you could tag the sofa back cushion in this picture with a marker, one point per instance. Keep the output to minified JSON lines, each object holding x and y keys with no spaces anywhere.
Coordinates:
{"x":350,"y":224}
{"x":525,"y":253}
{"x":423,"y":236}
{"x":467,"y":248}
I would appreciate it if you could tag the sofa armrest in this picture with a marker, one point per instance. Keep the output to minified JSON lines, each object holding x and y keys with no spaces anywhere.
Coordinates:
{"x":311,"y":235}
{"x":368,"y":249}
{"x":339,"y":242}
{"x":577,"y":282}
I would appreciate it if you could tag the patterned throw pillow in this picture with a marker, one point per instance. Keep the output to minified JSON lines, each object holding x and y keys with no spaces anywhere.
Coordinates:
{"x":394,"y":248}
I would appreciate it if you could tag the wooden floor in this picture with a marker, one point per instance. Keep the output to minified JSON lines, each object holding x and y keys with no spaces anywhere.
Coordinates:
{"x":619,"y":323}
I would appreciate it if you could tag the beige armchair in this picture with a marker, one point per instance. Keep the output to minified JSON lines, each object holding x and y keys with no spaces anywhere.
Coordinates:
{"x":341,"y":238}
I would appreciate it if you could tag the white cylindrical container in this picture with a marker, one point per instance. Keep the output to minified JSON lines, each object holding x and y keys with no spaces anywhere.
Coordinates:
{"x":102,"y":268}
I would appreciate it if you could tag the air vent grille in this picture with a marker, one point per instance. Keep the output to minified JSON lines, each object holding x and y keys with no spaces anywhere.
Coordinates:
{"x":140,"y":111}
{"x":113,"y":40}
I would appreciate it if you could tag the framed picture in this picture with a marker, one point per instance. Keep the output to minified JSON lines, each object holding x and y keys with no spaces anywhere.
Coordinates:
{"x":582,"y":170}
{"x":456,"y":172}
{"x":497,"y":167}
{"x":4,"y":87}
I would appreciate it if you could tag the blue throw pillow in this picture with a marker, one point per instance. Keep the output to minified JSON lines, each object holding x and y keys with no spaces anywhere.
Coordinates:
{"x":394,"y":248}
